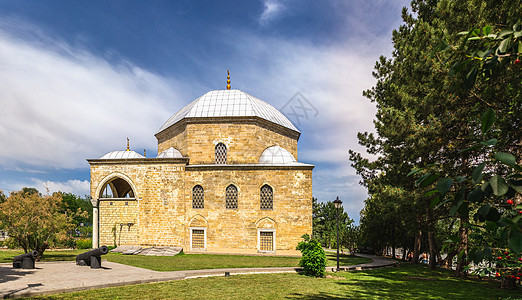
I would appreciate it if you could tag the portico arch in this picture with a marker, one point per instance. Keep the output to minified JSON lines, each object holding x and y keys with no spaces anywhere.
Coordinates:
{"x":116,"y":192}
{"x":120,"y":185}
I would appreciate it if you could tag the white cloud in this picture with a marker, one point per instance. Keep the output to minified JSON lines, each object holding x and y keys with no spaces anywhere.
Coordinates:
{"x":332,"y":78}
{"x":272,"y":9}
{"x":61,"y":104}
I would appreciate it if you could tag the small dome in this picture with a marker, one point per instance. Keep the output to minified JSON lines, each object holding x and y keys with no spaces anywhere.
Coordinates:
{"x":170,"y":153}
{"x":276,"y":155}
{"x":124,"y":154}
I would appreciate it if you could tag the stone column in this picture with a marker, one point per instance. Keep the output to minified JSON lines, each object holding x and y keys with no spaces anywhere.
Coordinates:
{"x":95,"y":226}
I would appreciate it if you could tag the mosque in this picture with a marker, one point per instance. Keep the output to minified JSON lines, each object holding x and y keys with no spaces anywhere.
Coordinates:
{"x":226,"y":180}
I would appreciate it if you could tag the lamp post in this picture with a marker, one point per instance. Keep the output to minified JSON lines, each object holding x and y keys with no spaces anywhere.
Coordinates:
{"x":337,"y":203}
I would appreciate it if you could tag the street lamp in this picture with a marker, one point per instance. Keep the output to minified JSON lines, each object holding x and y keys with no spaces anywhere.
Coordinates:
{"x":337,"y":203}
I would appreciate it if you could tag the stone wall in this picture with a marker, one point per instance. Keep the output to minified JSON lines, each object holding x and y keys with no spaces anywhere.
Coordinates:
{"x":163,"y":215}
{"x":245,"y":142}
{"x":228,"y":229}
{"x":118,"y":223}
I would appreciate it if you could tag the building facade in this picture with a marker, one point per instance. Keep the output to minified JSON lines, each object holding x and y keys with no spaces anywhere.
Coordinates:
{"x":226,"y":180}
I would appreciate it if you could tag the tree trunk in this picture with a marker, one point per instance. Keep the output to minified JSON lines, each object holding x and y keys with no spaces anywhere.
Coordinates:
{"x":462,"y":250}
{"x":433,"y":250}
{"x":418,"y":241}
{"x":393,"y":251}
{"x":404,"y":251}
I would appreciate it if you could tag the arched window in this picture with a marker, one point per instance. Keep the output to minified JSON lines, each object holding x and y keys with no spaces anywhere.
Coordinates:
{"x":231,"y":197}
{"x":198,"y":198}
{"x":267,"y":197}
{"x":221,"y":153}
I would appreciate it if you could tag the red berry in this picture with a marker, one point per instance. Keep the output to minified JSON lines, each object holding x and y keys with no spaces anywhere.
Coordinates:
{"x":509,"y":201}
{"x":500,"y":257}
{"x":497,"y":275}
{"x":520,"y":211}
{"x":520,"y":259}
{"x":505,"y":252}
{"x":517,"y":61}
{"x":517,"y":278}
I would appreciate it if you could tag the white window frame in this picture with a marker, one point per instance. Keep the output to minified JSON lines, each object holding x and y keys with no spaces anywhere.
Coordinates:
{"x":205,"y":238}
{"x":259,"y":230}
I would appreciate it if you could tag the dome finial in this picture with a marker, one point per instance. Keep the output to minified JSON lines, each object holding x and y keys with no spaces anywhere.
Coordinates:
{"x":228,"y":80}
{"x":128,"y":148}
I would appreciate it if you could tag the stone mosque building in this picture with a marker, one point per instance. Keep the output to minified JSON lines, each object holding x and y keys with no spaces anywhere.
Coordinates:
{"x":226,"y":180}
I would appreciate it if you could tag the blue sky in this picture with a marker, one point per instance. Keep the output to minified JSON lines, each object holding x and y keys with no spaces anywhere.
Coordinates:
{"x":78,"y":77}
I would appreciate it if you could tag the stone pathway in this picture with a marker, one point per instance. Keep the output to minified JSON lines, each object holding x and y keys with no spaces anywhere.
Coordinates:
{"x":66,"y":276}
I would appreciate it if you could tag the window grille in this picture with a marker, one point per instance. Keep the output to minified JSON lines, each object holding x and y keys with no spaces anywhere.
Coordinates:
{"x":198,"y":238}
{"x":221,"y":153}
{"x":198,"y":199}
{"x":267,"y":197}
{"x":231,"y":197}
{"x":266,"y":241}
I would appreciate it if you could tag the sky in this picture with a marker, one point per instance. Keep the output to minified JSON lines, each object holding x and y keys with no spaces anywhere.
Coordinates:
{"x":79,"y":77}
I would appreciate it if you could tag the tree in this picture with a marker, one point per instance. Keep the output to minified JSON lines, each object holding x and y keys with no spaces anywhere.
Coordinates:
{"x":80,"y":207}
{"x":425,"y":116}
{"x":34,"y":221}
{"x":325,"y":224}
{"x":2,"y":196}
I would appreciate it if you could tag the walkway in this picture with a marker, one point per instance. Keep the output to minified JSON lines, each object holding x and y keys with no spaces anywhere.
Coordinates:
{"x":66,"y":276}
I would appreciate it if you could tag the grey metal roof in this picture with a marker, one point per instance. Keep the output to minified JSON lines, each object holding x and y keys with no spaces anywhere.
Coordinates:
{"x":170,"y":153}
{"x":229,"y":103}
{"x":123,"y":154}
{"x":276,"y":155}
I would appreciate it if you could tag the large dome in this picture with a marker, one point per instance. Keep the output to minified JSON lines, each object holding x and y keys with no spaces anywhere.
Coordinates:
{"x":229,"y":103}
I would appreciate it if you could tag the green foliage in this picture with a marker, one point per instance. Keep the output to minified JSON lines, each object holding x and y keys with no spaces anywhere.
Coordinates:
{"x":81,"y":207}
{"x":428,"y":124}
{"x":313,"y":260}
{"x":34,"y":221}
{"x":83,"y":243}
{"x":325,"y":226}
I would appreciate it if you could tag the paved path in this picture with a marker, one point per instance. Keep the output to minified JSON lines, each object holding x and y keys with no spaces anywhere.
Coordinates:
{"x":66,"y":276}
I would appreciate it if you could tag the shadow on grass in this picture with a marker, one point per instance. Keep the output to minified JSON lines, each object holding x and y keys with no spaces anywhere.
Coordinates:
{"x":345,"y":260}
{"x":408,"y":282}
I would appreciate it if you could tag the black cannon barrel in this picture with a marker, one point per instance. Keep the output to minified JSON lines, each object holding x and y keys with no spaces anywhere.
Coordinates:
{"x":86,"y":256}
{"x":31,"y":254}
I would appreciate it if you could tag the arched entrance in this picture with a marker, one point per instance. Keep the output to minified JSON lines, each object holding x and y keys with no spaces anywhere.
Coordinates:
{"x":117,"y":212}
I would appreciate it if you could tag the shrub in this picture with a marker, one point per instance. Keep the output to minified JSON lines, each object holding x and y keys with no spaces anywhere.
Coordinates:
{"x":84,"y":243}
{"x":313,"y":260}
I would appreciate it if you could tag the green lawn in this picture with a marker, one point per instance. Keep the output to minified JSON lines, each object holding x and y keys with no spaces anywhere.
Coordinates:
{"x":190,"y":261}
{"x":6,"y":256}
{"x":404,"y":282}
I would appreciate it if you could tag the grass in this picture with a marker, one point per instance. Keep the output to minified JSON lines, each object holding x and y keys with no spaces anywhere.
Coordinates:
{"x":212,"y":261}
{"x":190,"y":261}
{"x":6,"y":256}
{"x":406,"y":282}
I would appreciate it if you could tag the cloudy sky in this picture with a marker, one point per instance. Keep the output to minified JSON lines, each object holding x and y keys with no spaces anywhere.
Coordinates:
{"x":79,"y":77}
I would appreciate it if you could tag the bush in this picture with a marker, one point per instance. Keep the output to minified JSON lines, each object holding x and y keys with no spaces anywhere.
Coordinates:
{"x":313,"y":260}
{"x":84,"y":243}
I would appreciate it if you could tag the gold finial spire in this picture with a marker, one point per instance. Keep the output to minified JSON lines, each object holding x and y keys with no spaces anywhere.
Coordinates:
{"x":128,"y":148}
{"x":145,"y":152}
{"x":228,"y":80}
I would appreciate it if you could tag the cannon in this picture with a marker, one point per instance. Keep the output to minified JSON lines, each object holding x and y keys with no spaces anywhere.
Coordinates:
{"x":92,"y":258}
{"x":25,"y":261}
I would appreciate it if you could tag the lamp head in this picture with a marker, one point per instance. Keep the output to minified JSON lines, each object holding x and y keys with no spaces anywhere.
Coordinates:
{"x":337,"y":203}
